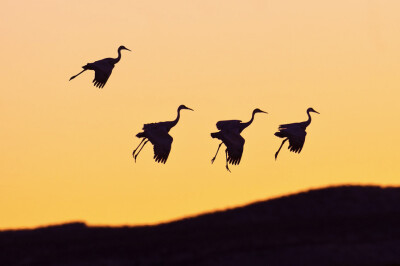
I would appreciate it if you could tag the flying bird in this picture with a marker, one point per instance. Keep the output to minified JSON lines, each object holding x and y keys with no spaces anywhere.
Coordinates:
{"x":229,"y":134}
{"x":102,"y":68}
{"x":157,"y":134}
{"x":295,"y":133}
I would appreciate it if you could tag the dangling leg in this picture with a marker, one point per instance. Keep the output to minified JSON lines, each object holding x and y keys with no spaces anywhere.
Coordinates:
{"x":133,"y":153}
{"x":140,"y":150}
{"x":213,"y":159}
{"x":226,"y":155}
{"x":78,"y":74}
{"x":276,"y":154}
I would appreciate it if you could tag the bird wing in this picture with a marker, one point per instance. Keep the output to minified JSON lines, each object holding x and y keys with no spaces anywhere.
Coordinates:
{"x":286,"y":129}
{"x":297,"y":137}
{"x":156,"y":126}
{"x":102,"y":69}
{"x":234,"y":144}
{"x":162,"y":142}
{"x":287,"y":126}
{"x":149,"y":126}
{"x":228,"y":124}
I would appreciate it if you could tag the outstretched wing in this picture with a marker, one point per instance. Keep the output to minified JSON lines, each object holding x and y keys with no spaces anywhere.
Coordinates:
{"x":234,"y":144}
{"x":103,"y":70}
{"x":289,"y":126}
{"x":297,"y":137}
{"x":163,"y":126}
{"x":228,"y":124}
{"x":286,"y":130}
{"x":162,"y":142}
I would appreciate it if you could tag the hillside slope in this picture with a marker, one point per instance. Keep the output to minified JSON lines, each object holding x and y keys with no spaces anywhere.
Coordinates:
{"x":348,"y":225}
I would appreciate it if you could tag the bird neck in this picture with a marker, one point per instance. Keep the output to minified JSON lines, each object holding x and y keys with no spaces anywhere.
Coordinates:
{"x":116,"y":60}
{"x":308,"y":122}
{"x":244,"y":125}
{"x":177,"y":118}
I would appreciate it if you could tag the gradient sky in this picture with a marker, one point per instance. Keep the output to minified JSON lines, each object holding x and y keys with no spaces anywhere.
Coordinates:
{"x":66,"y":146}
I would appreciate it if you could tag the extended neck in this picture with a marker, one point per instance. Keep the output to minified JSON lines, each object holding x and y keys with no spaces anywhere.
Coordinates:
{"x":308,"y":122}
{"x":244,"y":125}
{"x":177,"y":118}
{"x":116,"y":60}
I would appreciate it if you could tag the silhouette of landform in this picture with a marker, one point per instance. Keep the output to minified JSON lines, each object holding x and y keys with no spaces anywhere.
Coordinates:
{"x":347,"y":225}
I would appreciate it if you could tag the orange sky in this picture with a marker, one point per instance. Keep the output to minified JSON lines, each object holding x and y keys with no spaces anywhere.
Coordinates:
{"x":66,"y":146}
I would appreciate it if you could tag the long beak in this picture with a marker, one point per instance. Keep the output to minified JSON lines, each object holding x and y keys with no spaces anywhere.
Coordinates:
{"x":190,"y":109}
{"x":317,"y":112}
{"x":128,"y":49}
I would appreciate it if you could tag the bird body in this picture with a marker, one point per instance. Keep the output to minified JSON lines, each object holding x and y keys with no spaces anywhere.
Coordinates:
{"x":234,"y":143}
{"x":229,"y":134}
{"x":102,"y":68}
{"x":161,"y":141}
{"x":295,"y":133}
{"x":157,"y":134}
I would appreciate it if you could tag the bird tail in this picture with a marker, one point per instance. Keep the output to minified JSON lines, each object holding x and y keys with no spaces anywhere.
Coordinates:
{"x":140,"y":135}
{"x":279,"y":134}
{"x":215,"y":135}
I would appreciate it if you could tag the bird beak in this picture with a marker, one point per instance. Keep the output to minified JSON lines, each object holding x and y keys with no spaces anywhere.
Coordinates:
{"x":316,"y":112}
{"x":128,"y":49}
{"x":190,"y":109}
{"x":264,"y":112}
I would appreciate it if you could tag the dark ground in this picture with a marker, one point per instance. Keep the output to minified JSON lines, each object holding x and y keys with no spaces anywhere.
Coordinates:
{"x":349,"y":225}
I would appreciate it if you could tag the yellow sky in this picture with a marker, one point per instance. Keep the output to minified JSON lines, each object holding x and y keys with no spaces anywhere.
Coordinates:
{"x":66,"y":146}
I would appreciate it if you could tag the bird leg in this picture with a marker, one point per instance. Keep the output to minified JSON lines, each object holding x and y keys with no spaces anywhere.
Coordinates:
{"x":213,"y":159}
{"x":276,"y":154}
{"x":226,"y":155}
{"x":78,"y":74}
{"x":140,"y":150}
{"x":133,"y":153}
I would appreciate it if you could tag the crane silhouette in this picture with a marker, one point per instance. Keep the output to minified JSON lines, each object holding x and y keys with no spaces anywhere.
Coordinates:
{"x":102,"y":68}
{"x":295,"y":133}
{"x":157,"y":134}
{"x":229,"y":134}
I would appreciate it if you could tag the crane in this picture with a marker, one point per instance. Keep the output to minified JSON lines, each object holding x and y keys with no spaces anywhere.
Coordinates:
{"x":157,"y":134}
{"x":102,"y":68}
{"x":229,"y":134}
{"x":295,"y":133}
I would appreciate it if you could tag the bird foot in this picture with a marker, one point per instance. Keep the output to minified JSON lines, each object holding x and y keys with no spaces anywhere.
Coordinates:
{"x":227,"y":168}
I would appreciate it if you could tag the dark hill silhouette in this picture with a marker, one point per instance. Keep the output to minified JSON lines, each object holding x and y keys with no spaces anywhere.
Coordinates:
{"x":348,"y":225}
